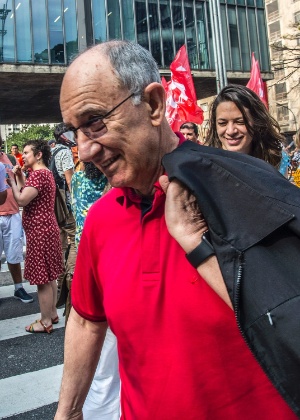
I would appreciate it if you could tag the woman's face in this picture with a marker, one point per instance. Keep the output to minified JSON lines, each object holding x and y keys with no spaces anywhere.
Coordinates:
{"x":231,"y":128}
{"x":28,"y":157}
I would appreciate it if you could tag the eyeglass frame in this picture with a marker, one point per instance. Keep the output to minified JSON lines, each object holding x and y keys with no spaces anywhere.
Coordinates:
{"x":92,"y":120}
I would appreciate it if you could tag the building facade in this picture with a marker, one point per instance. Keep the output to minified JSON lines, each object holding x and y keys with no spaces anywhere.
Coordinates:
{"x":283,"y":17}
{"x":53,"y":31}
{"x":44,"y":35}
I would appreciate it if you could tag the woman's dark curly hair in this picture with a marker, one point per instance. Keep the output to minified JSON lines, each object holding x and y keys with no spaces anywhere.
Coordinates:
{"x":265,"y":131}
{"x":91,"y":171}
{"x":40,"y":146}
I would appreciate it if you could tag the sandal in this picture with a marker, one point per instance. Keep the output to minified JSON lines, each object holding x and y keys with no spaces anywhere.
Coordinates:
{"x":47,"y":330}
{"x":53,"y":320}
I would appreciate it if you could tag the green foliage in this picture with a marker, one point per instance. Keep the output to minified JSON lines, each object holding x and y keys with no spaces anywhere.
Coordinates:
{"x":30,"y":132}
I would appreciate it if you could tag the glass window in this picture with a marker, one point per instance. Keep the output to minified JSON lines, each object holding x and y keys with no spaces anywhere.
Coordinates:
{"x":225,"y":35}
{"x":99,"y":22}
{"x":7,"y":43}
{"x":202,"y":36}
{"x":39,"y":29}
{"x":283,"y":112}
{"x":56,"y":32}
{"x":297,"y":17}
{"x":191,"y":34}
{"x":23,"y":35}
{"x":275,"y":32}
{"x":210,"y":40}
{"x":178,"y":24}
{"x":167,"y":33}
{"x":141,"y":24}
{"x":128,"y":20}
{"x":272,"y":10}
{"x":252,"y":33}
{"x":71,"y":36}
{"x":250,"y":2}
{"x":241,"y":2}
{"x":155,"y":37}
{"x":244,"y":39}
{"x":114,"y":21}
{"x":280,"y":91}
{"x":234,"y":39}
{"x":260,"y":3}
{"x":263,"y":42}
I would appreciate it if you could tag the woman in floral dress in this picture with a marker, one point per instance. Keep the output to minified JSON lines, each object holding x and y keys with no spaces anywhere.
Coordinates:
{"x":43,"y":262}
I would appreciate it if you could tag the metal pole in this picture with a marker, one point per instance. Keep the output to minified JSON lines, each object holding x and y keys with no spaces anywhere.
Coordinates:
{"x":222,"y":63}
{"x":218,"y":46}
{"x":214,"y":41}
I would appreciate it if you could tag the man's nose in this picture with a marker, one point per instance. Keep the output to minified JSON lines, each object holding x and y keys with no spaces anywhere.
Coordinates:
{"x":88,"y":148}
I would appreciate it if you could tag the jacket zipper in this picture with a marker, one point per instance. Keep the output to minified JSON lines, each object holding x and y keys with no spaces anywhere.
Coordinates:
{"x":237,"y":291}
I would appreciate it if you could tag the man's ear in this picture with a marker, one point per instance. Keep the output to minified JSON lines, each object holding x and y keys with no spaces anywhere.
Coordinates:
{"x":154,"y":95}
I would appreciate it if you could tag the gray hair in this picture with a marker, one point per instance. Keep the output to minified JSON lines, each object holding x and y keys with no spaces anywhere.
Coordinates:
{"x":133,"y":65}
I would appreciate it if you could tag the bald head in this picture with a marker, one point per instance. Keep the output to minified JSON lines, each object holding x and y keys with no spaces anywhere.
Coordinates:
{"x":112,"y":99}
{"x":132,"y":65}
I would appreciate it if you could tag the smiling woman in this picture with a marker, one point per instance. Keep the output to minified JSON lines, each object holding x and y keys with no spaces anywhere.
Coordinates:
{"x":240,"y":122}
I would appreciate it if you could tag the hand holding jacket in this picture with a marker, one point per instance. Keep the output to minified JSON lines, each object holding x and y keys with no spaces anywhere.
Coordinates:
{"x":186,"y":225}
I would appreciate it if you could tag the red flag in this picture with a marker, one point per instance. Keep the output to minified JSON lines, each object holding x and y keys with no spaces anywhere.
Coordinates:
{"x":181,"y":96}
{"x":256,"y":83}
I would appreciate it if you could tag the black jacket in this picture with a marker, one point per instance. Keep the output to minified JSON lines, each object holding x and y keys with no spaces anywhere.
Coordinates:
{"x":253,"y":214}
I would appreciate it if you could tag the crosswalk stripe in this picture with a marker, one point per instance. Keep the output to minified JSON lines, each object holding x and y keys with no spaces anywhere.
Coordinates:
{"x":29,"y":391}
{"x":15,"y":327}
{"x":8,"y":291}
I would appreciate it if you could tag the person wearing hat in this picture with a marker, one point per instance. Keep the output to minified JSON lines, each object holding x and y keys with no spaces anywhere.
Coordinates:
{"x":52,"y":143}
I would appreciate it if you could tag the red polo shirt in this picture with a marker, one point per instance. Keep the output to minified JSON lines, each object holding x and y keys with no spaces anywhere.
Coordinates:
{"x":181,"y":354}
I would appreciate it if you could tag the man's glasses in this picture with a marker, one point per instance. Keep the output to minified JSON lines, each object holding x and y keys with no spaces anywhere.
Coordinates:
{"x":95,"y":127}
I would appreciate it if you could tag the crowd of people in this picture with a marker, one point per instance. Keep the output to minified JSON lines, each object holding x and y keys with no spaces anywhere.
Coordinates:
{"x":147,"y":305}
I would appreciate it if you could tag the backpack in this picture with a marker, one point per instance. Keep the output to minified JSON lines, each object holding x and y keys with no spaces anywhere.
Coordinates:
{"x":60,"y":206}
{"x":57,"y":178}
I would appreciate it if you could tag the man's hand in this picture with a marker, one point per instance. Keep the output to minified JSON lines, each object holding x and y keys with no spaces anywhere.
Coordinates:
{"x":186,"y":224}
{"x":184,"y":219}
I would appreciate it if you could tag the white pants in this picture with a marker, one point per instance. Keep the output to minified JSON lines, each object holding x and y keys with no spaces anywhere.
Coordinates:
{"x":11,"y":238}
{"x":103,"y":399}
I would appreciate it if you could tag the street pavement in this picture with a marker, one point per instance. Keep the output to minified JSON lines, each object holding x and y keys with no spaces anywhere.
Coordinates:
{"x":30,"y":364}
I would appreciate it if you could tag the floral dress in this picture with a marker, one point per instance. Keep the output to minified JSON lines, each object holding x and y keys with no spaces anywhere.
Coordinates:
{"x":84,"y":193}
{"x":43,"y":262}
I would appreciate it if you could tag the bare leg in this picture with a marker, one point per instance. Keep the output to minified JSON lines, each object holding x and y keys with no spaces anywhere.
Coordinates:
{"x":16,"y":272}
{"x":45,"y":295}
{"x":54,"y":299}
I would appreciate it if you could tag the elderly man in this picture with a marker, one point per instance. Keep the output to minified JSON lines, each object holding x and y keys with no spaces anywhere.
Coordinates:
{"x":190,"y":131}
{"x":181,"y":354}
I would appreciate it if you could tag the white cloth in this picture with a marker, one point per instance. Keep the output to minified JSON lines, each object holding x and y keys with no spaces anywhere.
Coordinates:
{"x":103,"y":399}
{"x":2,"y":177}
{"x":11,"y":238}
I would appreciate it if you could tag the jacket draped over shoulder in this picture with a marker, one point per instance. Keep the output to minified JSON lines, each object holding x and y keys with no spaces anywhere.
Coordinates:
{"x":253,"y":214}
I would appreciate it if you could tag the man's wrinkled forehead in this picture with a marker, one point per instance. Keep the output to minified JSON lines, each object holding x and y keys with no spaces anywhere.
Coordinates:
{"x":91,"y":68}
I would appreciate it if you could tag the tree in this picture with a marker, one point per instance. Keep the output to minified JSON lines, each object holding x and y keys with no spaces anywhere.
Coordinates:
{"x":30,"y":132}
{"x":286,"y":58}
